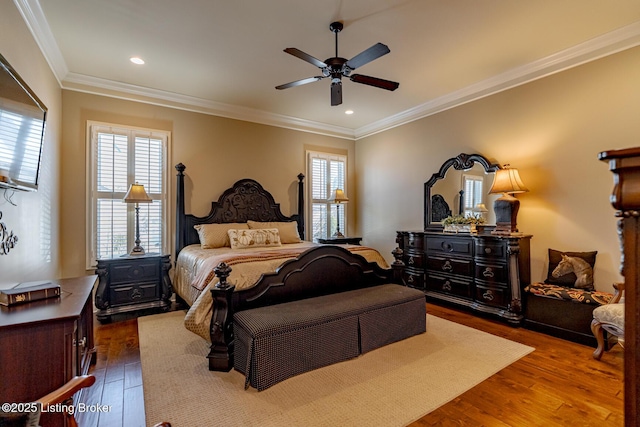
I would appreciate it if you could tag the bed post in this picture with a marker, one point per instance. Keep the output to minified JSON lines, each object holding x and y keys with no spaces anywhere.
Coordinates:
{"x":221,"y":328}
{"x":180,"y":226}
{"x":301,"y":227}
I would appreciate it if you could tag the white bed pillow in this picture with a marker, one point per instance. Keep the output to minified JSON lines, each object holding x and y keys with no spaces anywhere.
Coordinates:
{"x":215,"y":235}
{"x":288,"y":230}
{"x":240,"y":239}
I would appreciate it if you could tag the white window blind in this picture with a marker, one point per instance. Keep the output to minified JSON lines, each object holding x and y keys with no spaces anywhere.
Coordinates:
{"x":472,"y":193}
{"x":326,"y":173}
{"x":122,"y":156}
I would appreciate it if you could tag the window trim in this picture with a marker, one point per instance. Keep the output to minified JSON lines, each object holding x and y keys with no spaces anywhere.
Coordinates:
{"x":310,"y":200}
{"x":91,"y":177}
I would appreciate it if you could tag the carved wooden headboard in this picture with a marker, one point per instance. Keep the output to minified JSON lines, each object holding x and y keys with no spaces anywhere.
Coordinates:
{"x":245,"y":200}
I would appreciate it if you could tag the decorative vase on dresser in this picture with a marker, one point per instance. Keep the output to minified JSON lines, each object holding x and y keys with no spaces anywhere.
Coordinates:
{"x":483,"y":272}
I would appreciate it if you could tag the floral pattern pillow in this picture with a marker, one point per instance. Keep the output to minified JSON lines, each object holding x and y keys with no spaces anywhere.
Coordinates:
{"x":254,"y":238}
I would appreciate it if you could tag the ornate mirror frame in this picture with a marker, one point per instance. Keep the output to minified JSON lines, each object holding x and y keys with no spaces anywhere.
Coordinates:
{"x":460,"y":162}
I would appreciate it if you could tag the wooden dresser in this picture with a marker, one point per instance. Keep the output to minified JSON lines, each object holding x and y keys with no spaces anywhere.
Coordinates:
{"x":483,"y":272}
{"x":45,"y":343}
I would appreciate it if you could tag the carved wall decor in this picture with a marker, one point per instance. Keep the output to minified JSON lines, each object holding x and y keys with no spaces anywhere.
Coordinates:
{"x":7,"y":239}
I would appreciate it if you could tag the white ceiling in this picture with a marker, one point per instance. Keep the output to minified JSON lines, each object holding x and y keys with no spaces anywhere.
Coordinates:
{"x":226,"y":57}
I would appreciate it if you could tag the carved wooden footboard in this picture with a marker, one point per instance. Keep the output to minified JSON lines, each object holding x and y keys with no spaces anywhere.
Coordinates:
{"x":318,"y":271}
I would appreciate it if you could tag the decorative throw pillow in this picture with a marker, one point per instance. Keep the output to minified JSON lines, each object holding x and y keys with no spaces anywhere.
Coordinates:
{"x":215,"y":235}
{"x":254,"y":238}
{"x":569,"y":279}
{"x":288,"y":230}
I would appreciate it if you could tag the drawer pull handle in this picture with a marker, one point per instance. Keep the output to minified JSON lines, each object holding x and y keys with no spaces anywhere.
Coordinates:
{"x":488,"y":295}
{"x":135,"y":293}
{"x":488,"y":272}
{"x":487,"y":250}
{"x":411,"y":261}
{"x":447,"y":266}
{"x":410,"y":279}
{"x":446,"y":286}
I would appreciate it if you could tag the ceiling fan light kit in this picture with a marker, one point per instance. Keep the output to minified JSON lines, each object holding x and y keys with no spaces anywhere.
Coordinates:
{"x":337,"y":67}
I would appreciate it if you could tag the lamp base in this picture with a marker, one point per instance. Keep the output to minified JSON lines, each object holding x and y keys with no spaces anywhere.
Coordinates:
{"x":137,"y":250}
{"x":338,"y":234}
{"x":506,"y":210}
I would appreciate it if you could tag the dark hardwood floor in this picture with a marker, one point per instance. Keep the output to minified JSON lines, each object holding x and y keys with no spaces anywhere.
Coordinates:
{"x":559,"y":384}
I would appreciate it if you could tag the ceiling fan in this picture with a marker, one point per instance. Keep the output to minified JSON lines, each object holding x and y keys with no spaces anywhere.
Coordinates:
{"x":337,"y":67}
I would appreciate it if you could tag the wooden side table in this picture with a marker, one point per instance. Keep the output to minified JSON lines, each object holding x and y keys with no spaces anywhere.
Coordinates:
{"x":45,"y":343}
{"x":341,"y":240}
{"x":132,"y":283}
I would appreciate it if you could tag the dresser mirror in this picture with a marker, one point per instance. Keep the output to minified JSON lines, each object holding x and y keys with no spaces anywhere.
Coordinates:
{"x":460,"y":187}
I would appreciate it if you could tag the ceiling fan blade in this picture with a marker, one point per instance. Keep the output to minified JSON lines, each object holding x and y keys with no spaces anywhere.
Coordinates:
{"x":374,"y":81}
{"x":364,"y":57}
{"x":336,"y":93}
{"x":305,"y":57}
{"x":299,"y":82}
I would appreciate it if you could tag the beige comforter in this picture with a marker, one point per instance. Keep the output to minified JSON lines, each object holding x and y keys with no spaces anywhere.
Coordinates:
{"x":194,"y":276}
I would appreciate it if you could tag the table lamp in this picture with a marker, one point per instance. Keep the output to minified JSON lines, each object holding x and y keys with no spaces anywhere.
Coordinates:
{"x":338,"y":197}
{"x":137,"y":195}
{"x":506,"y":181}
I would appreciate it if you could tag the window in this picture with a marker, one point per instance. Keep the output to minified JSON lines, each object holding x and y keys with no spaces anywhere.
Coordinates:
{"x":121,"y":156}
{"x":472,"y":193}
{"x":326,"y":172}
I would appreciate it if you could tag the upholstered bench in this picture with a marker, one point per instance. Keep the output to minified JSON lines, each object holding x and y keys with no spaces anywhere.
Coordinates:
{"x":276,"y":342}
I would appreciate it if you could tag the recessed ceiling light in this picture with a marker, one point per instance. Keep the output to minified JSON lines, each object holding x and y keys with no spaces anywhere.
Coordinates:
{"x":348,"y":112}
{"x":136,"y":60}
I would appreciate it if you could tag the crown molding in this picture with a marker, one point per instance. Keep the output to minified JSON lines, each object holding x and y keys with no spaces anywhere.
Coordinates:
{"x":607,"y":44}
{"x":34,"y":18}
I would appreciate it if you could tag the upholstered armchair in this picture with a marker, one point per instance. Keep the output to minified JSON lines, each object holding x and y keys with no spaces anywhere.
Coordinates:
{"x":609,"y":318}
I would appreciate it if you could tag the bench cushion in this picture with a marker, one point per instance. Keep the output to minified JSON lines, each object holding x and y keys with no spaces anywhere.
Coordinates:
{"x":276,"y":342}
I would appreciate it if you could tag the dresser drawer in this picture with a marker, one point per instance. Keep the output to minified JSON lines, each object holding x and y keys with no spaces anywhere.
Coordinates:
{"x":492,"y":295}
{"x":413,"y":259}
{"x":413,"y":278}
{"x":131,"y":294}
{"x":455,"y":286}
{"x":136,"y":271}
{"x":450,"y":265}
{"x":414,"y":241}
{"x":491,"y":272}
{"x":450,"y":245}
{"x":488,"y":248}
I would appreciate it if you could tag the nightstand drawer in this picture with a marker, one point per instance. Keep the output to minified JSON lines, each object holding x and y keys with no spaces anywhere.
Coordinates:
{"x":132,"y":294}
{"x":138,"y":271}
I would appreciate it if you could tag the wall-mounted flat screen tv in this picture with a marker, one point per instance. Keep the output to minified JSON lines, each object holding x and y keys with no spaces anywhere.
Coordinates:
{"x":22,"y":120}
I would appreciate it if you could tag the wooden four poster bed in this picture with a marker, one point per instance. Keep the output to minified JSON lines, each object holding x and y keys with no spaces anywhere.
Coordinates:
{"x":257,"y":277}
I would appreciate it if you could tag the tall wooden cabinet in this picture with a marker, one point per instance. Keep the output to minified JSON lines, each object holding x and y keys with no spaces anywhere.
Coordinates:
{"x":480,"y":271}
{"x":43,"y":344}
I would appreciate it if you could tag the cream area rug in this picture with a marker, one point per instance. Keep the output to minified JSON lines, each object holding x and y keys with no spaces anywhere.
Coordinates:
{"x":391,"y":386}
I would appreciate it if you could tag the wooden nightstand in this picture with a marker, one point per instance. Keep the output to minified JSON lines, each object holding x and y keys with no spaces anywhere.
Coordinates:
{"x":131,"y":283}
{"x":340,"y":240}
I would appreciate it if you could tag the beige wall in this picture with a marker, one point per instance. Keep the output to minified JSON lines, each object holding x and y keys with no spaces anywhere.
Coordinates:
{"x":34,"y":219}
{"x":217,"y":152}
{"x":551,"y":130}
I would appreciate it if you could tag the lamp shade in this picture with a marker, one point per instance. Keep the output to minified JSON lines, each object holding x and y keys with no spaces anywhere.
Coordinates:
{"x":338,"y":196}
{"x":507,"y":181}
{"x":137,"y":194}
